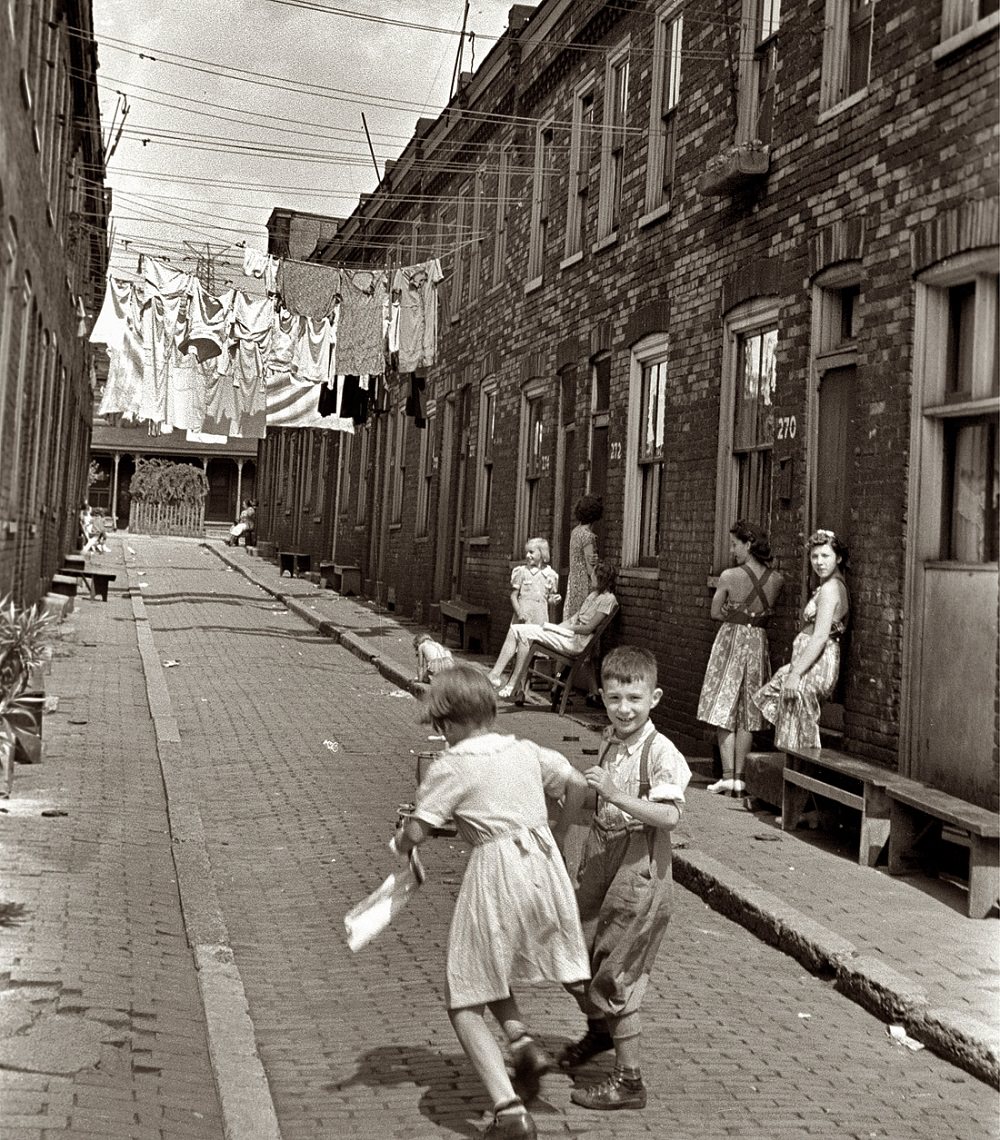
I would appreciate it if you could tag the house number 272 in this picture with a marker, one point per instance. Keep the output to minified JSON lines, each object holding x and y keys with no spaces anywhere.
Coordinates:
{"x":616,"y":451}
{"x":787,"y":427}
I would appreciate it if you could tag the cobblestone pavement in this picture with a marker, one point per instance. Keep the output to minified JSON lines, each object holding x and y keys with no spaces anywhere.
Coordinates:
{"x":288,"y":761}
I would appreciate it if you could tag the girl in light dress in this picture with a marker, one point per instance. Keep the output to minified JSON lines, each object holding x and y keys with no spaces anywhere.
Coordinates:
{"x":793,"y":699}
{"x":515,"y":918}
{"x":533,"y":585}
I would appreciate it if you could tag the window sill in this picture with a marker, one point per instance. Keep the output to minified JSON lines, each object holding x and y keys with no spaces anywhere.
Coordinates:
{"x":395,"y":526}
{"x":605,"y":242}
{"x":533,"y":285}
{"x":479,"y":540}
{"x":25,"y":89}
{"x":573,"y":259}
{"x":654,"y":215}
{"x":942,"y":52}
{"x":838,"y":108}
{"x":421,"y":539}
{"x":455,"y":318}
{"x":36,"y":138}
{"x":643,"y":573}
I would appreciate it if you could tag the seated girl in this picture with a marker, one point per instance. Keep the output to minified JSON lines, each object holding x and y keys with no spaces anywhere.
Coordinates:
{"x":572,"y":635}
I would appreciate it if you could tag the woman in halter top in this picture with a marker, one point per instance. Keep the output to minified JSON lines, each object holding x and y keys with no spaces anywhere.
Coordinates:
{"x":739,"y":663}
{"x":793,"y":699}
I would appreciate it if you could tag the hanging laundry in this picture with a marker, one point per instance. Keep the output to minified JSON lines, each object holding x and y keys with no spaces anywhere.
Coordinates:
{"x":308,"y":288}
{"x":252,"y":321}
{"x":361,"y":323}
{"x":207,"y":327}
{"x":165,"y":303}
{"x":109,"y":328}
{"x":257,"y":264}
{"x":416,"y":288}
{"x":312,"y":355}
{"x":126,"y":362}
{"x":416,"y":402}
{"x":297,"y":405}
{"x":285,"y":332}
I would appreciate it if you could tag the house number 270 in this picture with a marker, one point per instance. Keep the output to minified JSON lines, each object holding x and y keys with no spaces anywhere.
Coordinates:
{"x":787,"y":427}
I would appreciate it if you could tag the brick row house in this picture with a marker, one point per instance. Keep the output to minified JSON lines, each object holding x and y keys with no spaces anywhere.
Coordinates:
{"x":53,"y":214}
{"x":709,"y":261}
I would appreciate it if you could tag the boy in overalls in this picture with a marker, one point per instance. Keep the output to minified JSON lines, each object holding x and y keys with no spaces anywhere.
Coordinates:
{"x":624,"y":883}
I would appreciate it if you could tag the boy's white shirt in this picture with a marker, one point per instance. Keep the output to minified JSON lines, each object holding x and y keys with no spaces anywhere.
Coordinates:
{"x":622,"y":763}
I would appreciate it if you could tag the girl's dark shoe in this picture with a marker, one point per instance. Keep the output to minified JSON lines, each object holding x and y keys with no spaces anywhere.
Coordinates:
{"x":596,"y":1040}
{"x":617,"y":1091}
{"x":511,"y":1126}
{"x":531,"y":1063}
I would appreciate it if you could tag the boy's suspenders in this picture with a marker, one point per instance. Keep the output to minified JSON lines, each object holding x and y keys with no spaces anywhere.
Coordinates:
{"x":644,"y":783}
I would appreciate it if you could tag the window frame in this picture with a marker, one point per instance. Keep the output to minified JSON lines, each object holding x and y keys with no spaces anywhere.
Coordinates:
{"x":652,"y":350}
{"x":361,"y":513}
{"x":485,"y":439}
{"x":398,"y":464}
{"x":542,"y":178}
{"x":475,"y":247}
{"x":578,"y":181}
{"x":614,"y":136}
{"x":668,"y":46}
{"x":500,"y":224}
{"x":955,"y":31}
{"x":755,"y":50}
{"x":534,"y":391}
{"x":757,"y":314}
{"x":426,"y":465}
{"x":838,"y":58}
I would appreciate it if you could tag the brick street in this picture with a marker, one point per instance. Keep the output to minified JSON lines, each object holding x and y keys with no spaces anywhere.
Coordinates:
{"x":293,"y":756}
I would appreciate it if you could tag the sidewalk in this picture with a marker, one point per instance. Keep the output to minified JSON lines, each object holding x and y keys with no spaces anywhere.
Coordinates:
{"x":901,"y":947}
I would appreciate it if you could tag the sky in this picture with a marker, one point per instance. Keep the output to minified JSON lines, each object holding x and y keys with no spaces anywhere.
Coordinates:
{"x":239,"y":106}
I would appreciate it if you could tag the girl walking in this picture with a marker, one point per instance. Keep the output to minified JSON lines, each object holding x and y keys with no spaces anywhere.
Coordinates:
{"x":515,"y":918}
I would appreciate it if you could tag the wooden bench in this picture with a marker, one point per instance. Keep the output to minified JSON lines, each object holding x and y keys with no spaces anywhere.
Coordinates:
{"x":344,"y":579}
{"x":96,"y":581}
{"x":918,"y":812}
{"x":295,"y":562}
{"x":568,"y":665}
{"x":845,"y":780}
{"x":472,"y":622}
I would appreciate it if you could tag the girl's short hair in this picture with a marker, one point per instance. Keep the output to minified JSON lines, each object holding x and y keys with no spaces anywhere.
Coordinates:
{"x":542,"y":546}
{"x":822,"y":537}
{"x":747,"y":532}
{"x":589,"y":508}
{"x":606,"y":576}
{"x":628,"y":663}
{"x":462,"y":695}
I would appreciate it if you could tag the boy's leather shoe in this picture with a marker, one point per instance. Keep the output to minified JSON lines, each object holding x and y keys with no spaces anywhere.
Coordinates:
{"x":531,"y":1062}
{"x":512,"y":1126}
{"x":615,"y":1092}
{"x":596,"y":1040}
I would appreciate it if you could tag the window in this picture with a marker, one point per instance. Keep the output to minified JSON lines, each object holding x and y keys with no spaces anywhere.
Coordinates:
{"x":847,"y":50}
{"x":747,"y":427}
{"x":484,"y":471}
{"x":613,"y":142}
{"x":398,"y":466}
{"x":663,"y":110}
{"x":600,"y":411}
{"x":364,"y":464}
{"x":647,"y":423}
{"x":958,"y":16}
{"x":500,"y":224}
{"x":346,"y":443}
{"x":534,"y":453}
{"x":463,"y":229}
{"x":960,"y":409}
{"x":758,"y":69}
{"x":475,"y":238}
{"x":541,"y":200}
{"x":427,"y":454}
{"x":580,"y":148}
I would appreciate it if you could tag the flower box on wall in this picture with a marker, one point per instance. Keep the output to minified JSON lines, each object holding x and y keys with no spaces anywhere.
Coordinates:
{"x":735,"y":168}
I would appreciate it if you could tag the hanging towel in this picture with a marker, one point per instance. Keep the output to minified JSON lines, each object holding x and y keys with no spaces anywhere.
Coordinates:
{"x":416,"y":287}
{"x":296,"y":405}
{"x":257,"y":264}
{"x":312,"y":355}
{"x":307,"y":288}
{"x":361,"y":323}
{"x":109,"y":328}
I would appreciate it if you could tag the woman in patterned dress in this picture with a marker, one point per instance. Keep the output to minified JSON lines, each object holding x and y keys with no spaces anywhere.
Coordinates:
{"x":582,"y":554}
{"x":793,"y":699}
{"x":739,"y":663}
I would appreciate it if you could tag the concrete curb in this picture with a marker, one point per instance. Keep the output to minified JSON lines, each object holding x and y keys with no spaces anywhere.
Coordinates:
{"x":884,"y":992}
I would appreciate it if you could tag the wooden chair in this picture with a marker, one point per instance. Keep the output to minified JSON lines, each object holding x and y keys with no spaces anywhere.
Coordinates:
{"x":568,"y":665}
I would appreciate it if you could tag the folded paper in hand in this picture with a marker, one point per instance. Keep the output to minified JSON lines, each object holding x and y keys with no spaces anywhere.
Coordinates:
{"x":369,"y":918}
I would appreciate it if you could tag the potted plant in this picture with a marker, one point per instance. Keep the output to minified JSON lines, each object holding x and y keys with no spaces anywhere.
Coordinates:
{"x":735,"y":167}
{"x":25,"y":639}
